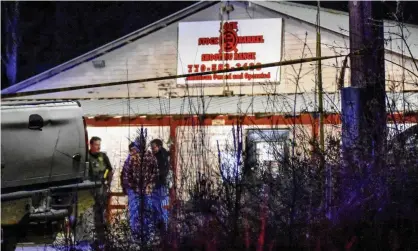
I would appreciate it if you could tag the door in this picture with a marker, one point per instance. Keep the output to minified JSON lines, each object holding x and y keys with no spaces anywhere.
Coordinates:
{"x":42,"y":144}
{"x":68,"y":159}
{"x":27,"y":147}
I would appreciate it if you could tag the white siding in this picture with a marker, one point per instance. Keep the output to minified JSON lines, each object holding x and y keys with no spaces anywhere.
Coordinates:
{"x":196,"y":147}
{"x":333,"y":131}
{"x":155,"y":55}
{"x":197,"y":150}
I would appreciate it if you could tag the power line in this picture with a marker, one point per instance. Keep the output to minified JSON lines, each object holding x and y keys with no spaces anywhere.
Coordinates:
{"x":72,"y":88}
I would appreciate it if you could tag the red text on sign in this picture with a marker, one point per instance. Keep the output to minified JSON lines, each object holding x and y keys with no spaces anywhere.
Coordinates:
{"x":229,"y":56}
{"x":195,"y":68}
{"x":241,"y":40}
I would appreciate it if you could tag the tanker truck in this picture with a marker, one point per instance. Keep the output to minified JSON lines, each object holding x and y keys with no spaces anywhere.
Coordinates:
{"x":45,"y":189}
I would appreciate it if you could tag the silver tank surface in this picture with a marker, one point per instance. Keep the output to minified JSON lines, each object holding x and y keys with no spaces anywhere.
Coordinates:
{"x":41,"y":143}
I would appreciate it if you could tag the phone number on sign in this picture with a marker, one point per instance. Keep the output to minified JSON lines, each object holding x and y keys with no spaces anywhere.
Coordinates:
{"x":195,"y":68}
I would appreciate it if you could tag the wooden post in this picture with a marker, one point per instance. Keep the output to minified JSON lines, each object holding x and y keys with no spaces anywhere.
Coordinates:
{"x":363,"y":110}
{"x":368,"y":73}
{"x":319,"y":84}
{"x":173,"y":198}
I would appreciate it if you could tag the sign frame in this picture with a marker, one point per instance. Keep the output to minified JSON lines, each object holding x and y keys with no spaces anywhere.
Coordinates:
{"x":245,"y":42}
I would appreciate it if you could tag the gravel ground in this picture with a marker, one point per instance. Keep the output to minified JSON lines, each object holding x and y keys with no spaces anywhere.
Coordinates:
{"x":32,"y":247}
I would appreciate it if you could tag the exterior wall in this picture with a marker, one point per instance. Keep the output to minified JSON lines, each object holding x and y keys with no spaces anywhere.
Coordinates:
{"x":197,"y":148}
{"x":155,"y":55}
{"x":300,"y":42}
{"x":401,"y":72}
{"x":333,"y":131}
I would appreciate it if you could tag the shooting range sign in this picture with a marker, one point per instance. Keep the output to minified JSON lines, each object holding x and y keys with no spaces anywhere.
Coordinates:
{"x":214,"y":45}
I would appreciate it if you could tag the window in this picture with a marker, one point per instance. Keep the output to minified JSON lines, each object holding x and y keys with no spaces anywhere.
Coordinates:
{"x":270,"y":151}
{"x":266,"y":149}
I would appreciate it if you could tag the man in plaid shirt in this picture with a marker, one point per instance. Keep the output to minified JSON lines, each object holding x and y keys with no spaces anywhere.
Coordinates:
{"x":138,"y":180}
{"x":133,"y":150}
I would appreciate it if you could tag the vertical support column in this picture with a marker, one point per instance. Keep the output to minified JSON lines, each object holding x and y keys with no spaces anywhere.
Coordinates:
{"x":173,"y":158}
{"x":173,"y":191}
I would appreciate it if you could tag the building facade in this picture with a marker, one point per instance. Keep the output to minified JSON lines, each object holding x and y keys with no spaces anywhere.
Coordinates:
{"x":195,"y":116}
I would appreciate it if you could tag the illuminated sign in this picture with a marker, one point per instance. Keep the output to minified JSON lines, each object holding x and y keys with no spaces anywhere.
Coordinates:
{"x":214,"y":45}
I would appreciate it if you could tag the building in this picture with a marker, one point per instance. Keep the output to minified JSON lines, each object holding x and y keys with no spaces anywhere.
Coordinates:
{"x":196,"y":114}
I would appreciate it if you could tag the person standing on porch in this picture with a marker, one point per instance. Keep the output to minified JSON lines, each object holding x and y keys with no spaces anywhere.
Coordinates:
{"x":163,"y":181}
{"x":132,"y":151}
{"x":138,"y":180}
{"x":100,"y":170}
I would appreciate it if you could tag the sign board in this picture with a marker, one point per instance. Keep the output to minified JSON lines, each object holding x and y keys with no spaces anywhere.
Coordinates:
{"x":218,"y":122}
{"x":214,"y":45}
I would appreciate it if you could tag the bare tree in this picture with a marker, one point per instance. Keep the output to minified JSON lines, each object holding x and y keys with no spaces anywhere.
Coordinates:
{"x":229,"y":198}
{"x":9,"y":56}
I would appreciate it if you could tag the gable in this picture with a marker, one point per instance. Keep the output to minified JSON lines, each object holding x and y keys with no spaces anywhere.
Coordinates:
{"x":338,"y":22}
{"x":109,"y":47}
{"x":154,"y":54}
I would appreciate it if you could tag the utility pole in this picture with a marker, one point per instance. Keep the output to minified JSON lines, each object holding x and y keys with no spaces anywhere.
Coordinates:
{"x":363,"y":104}
{"x":367,"y":91}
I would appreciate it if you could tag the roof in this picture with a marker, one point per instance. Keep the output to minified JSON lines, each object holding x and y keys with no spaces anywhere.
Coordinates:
{"x":278,"y":104}
{"x":111,"y":46}
{"x":335,"y":21}
{"x":338,"y":22}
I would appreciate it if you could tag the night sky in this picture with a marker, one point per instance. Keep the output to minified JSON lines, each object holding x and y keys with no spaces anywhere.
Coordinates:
{"x":52,"y":33}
